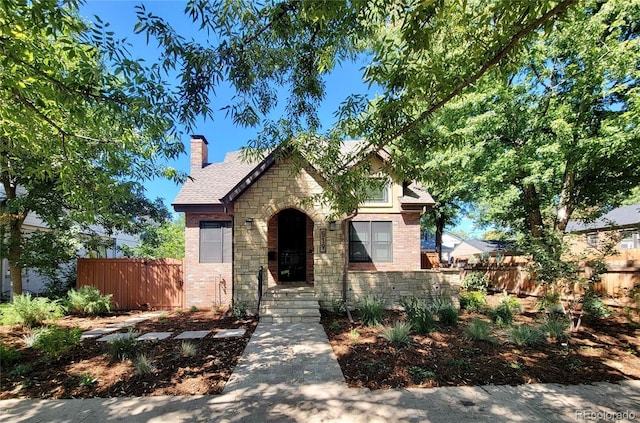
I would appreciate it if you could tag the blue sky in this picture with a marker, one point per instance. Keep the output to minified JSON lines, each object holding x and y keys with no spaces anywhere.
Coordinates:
{"x":222,"y":134}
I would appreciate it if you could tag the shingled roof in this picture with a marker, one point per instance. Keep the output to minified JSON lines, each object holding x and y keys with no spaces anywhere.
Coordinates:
{"x":625,"y":216}
{"x":217,"y":184}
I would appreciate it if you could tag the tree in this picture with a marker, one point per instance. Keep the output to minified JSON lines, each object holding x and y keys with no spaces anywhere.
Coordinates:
{"x":163,"y":241}
{"x":82,"y":125}
{"x":420,"y":55}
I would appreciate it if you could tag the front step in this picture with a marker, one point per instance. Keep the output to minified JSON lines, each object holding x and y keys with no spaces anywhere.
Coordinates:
{"x":290,"y":305}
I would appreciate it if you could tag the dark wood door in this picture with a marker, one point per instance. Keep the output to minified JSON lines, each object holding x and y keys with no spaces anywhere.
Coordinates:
{"x":292,"y":238}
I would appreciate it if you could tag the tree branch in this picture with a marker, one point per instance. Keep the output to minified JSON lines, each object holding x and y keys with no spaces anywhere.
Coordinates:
{"x":560,"y":8}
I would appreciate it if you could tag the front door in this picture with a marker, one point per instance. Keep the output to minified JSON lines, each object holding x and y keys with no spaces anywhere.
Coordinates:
{"x":292,"y":241}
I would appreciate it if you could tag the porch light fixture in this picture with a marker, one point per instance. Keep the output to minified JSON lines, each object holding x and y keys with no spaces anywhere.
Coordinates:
{"x":332,"y":225}
{"x":249,"y":223}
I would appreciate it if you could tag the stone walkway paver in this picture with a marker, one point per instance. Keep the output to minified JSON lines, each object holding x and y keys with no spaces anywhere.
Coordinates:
{"x":193,"y":334}
{"x":230,"y":333}
{"x":114,"y":336}
{"x":154,"y":336}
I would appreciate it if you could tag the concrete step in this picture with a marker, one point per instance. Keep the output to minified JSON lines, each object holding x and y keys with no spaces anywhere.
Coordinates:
{"x":290,"y":305}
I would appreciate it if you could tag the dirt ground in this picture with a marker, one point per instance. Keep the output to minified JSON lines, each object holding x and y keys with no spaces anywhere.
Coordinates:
{"x":175,"y":374}
{"x":602,"y":350}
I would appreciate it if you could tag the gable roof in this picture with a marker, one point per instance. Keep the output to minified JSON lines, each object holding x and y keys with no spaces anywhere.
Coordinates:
{"x":218,"y":184}
{"x":617,"y":218}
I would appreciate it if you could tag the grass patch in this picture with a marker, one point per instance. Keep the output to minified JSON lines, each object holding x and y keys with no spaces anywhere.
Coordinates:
{"x":144,"y":365}
{"x":371,"y":309}
{"x":54,"y":341}
{"x":188,"y":349}
{"x":126,"y":347}
{"x":478,"y":330}
{"x":527,"y":335}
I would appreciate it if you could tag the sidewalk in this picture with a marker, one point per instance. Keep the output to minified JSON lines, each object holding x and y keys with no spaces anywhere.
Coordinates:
{"x":288,"y":373}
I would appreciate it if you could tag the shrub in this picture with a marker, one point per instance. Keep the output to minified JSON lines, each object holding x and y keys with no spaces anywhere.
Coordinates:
{"x":124,"y":347}
{"x":512,"y":302}
{"x":88,"y":300}
{"x":473,"y":300}
{"x":86,"y":380}
{"x":143,"y":365}
{"x":54,"y":341}
{"x":448,"y":315}
{"x":8,"y":355}
{"x":240,"y":309}
{"x":594,"y":307}
{"x":21,"y":369}
{"x":555,"y":326}
{"x":527,"y":335}
{"x":419,"y":315}
{"x":371,"y":310}
{"x":478,"y":330}
{"x":397,"y":333}
{"x":337,"y":306}
{"x":502,"y":314}
{"x":475,"y":281}
{"x":193,"y":309}
{"x":31,"y":312}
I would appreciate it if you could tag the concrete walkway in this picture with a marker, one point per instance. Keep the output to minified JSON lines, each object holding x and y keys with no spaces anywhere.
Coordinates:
{"x":288,"y":373}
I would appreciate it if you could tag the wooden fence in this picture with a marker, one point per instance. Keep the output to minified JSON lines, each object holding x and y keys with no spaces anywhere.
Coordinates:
{"x":135,"y":283}
{"x":622,"y":275}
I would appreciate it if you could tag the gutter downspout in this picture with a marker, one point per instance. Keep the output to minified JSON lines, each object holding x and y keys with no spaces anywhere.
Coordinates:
{"x":345,"y":263}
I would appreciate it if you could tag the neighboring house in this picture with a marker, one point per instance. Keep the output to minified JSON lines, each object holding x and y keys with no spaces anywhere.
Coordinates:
{"x":34,"y":282}
{"x":241,"y":217}
{"x":475,"y":250}
{"x":449,"y":241}
{"x":623,"y":222}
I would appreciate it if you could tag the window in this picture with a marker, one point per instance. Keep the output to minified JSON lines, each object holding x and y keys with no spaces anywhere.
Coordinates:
{"x":630,"y":240}
{"x":593,"y":239}
{"x":370,"y":242}
{"x":215,"y":242}
{"x":379,"y":193}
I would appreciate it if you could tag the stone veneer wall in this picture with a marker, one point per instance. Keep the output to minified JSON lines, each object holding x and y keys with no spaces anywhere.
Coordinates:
{"x":393,"y":285}
{"x":276,"y":190}
{"x":205,"y":284}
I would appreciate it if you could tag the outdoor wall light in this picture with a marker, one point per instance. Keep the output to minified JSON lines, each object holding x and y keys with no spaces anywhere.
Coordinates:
{"x":249,"y":223}
{"x":332,"y":225}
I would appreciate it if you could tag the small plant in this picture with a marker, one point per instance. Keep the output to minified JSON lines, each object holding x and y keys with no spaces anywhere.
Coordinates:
{"x":32,"y":312}
{"x":478,"y":330}
{"x":143,"y":365}
{"x":30,"y":338}
{"x":88,"y":300}
{"x":337,"y":306}
{"x":475,"y":281}
{"x":515,"y":365}
{"x":549,"y":302}
{"x":448,"y":315}
{"x":335,"y":325}
{"x":86,"y":380}
{"x":354,"y":335}
{"x":419,"y":315}
{"x":555,"y":326}
{"x":371,"y":310}
{"x":21,"y":369}
{"x":54,"y":341}
{"x":178,"y":311}
{"x":188,"y":349}
{"x":125,"y":347}
{"x":502,"y":314}
{"x":473,"y":301}
{"x":163,"y":318}
{"x":397,"y":333}
{"x":193,"y":309}
{"x":527,"y":335}
{"x":418,"y":374}
{"x":462,"y":363}
{"x":240,"y":309}
{"x":594,"y":307}
{"x":8,"y":355}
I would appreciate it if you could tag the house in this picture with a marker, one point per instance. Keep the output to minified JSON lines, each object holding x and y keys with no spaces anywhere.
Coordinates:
{"x":475,"y":251}
{"x":243,"y":217}
{"x":622,"y":222}
{"x":449,"y":241}
{"x":32,"y":280}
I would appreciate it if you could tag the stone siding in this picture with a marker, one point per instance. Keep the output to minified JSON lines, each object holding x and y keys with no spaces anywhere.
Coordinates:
{"x":392,"y":286}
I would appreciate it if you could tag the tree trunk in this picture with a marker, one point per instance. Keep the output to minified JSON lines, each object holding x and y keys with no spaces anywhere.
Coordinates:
{"x":440,"y":221}
{"x":532,"y":207}
{"x":11,"y":222}
{"x":565,"y":205}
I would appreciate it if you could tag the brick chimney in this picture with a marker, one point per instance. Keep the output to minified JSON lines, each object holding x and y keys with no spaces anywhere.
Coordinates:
{"x":199,"y":152}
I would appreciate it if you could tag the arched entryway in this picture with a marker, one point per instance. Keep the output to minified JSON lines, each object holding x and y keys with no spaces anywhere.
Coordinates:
{"x":291,"y":247}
